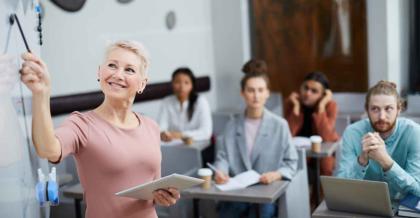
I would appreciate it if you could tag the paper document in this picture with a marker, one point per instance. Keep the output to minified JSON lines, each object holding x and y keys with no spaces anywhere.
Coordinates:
{"x":240,"y":181}
{"x":301,"y":141}
{"x":145,"y":191}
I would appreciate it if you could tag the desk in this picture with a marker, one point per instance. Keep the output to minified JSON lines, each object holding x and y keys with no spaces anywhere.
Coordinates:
{"x":327,"y":149}
{"x":257,"y":194}
{"x":75,"y":192}
{"x":323,"y":212}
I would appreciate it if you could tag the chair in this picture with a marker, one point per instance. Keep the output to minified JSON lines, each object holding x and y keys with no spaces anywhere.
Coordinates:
{"x":338,"y":155}
{"x":413,"y":105}
{"x":181,"y":160}
{"x":350,"y":102}
{"x":220,"y":119}
{"x":275,"y":103}
{"x":415,"y":119}
{"x":341,"y":123}
{"x":296,"y":203}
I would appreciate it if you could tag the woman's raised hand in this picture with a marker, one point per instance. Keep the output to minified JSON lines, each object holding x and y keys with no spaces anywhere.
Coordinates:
{"x":34,"y":74}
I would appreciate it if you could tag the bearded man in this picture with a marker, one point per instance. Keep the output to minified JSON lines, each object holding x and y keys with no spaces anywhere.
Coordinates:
{"x":384,"y":147}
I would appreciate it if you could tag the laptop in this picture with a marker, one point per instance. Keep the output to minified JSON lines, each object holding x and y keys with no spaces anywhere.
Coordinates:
{"x":357,"y":196}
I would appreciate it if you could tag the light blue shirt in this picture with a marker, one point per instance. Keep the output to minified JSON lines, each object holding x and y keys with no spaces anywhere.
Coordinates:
{"x":403,"y":145}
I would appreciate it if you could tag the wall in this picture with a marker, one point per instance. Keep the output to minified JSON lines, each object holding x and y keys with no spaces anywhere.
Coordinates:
{"x":18,"y":161}
{"x":212,"y":37}
{"x":74,"y":42}
{"x":232,"y":48}
{"x":388,"y":41}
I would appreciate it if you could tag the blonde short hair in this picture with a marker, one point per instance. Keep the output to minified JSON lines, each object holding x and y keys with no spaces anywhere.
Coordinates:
{"x":137,"y":48}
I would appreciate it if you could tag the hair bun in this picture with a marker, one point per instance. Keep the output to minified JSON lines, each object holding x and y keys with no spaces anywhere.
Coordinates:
{"x":387,"y":83}
{"x":393,"y":85}
{"x":255,"y":66}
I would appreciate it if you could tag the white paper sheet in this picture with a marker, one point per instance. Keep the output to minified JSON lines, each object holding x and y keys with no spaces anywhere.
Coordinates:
{"x":240,"y":181}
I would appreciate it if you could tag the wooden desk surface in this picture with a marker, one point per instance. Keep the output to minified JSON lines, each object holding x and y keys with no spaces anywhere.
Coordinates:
{"x":253,"y":194}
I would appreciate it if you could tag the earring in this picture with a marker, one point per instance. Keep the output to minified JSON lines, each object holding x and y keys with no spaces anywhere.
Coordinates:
{"x":98,"y":80}
{"x":139,"y":92}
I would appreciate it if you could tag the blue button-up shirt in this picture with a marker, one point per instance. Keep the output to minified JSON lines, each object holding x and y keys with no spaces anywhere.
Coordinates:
{"x":403,"y":145}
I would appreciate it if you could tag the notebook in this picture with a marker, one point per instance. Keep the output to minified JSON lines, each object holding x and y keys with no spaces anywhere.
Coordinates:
{"x":240,"y":181}
{"x":412,"y":202}
{"x":145,"y":191}
{"x":407,"y":212}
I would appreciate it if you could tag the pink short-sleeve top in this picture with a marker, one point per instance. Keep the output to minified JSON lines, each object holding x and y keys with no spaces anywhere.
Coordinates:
{"x":110,"y":159}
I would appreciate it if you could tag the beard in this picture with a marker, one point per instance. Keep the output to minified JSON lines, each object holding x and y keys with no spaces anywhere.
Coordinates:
{"x":382,"y":126}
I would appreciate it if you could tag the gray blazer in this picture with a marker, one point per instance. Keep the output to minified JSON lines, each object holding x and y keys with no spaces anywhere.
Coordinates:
{"x":273,"y":149}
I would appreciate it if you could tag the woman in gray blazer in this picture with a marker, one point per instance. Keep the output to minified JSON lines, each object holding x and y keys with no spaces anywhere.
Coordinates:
{"x":255,"y":140}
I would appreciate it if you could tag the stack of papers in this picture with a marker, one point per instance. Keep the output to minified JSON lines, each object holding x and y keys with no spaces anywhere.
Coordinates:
{"x":407,"y":212}
{"x":240,"y":181}
{"x":409,"y":206}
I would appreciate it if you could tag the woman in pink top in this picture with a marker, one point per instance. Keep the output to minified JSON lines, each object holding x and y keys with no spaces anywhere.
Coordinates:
{"x":114,"y":147}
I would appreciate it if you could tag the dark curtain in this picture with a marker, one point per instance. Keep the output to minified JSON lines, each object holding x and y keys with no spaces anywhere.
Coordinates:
{"x":414,"y":66}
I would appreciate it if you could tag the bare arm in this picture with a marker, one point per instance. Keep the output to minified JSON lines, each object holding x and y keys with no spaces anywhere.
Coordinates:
{"x":34,"y":74}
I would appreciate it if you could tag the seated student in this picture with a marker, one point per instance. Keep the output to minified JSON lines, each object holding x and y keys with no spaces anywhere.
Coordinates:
{"x":185,"y":114}
{"x":255,"y":139}
{"x":383,"y":147}
{"x":313,"y":112}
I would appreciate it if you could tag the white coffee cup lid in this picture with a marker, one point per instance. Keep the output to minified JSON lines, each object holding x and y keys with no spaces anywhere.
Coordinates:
{"x":316,"y":139}
{"x":205,"y":172}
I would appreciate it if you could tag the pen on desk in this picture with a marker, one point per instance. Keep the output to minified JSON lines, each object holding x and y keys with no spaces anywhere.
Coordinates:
{"x":211,"y":166}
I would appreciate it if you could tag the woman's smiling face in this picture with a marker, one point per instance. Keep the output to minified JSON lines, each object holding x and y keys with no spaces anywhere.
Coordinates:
{"x":120,"y":75}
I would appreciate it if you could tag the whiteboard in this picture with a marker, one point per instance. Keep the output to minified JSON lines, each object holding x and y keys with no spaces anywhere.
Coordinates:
{"x":18,"y":161}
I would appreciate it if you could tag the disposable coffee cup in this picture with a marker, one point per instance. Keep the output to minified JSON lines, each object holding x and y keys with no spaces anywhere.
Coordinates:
{"x":316,"y":142}
{"x":205,"y":174}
